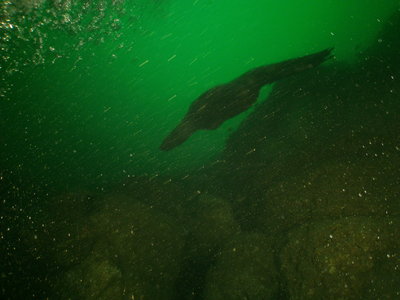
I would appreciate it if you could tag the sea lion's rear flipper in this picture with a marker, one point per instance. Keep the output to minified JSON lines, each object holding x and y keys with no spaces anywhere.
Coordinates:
{"x":274,"y":72}
{"x":308,"y":61}
{"x":300,"y":64}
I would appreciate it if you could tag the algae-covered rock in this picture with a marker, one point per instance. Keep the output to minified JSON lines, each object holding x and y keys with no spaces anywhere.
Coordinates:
{"x":348,"y":258}
{"x":144,"y":243}
{"x":160,"y":192}
{"x":244,"y":269}
{"x":333,"y":189}
{"x":95,"y":278}
{"x":136,"y":253}
{"x":211,"y":225}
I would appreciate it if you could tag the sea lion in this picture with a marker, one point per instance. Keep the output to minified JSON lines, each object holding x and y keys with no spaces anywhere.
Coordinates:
{"x":225,"y":101}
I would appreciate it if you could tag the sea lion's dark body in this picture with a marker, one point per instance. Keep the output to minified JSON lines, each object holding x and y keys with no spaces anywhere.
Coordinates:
{"x":225,"y":101}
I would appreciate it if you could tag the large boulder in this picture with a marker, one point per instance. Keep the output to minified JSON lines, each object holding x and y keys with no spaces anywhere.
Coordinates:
{"x":334,"y":189}
{"x":95,"y":277}
{"x":211,"y":225}
{"x":135,"y":252}
{"x":348,"y":258}
{"x":245,"y":269}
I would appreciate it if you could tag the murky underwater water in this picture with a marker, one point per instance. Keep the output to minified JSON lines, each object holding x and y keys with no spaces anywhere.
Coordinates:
{"x":295,"y":198}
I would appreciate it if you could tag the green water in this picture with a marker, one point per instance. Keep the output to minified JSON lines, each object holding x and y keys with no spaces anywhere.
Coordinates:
{"x":296,"y":198}
{"x":87,"y":102}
